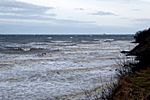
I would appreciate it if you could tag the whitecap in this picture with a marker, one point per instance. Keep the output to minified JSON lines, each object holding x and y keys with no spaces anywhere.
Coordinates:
{"x":49,"y":37}
{"x":108,"y":40}
{"x":26,"y":49}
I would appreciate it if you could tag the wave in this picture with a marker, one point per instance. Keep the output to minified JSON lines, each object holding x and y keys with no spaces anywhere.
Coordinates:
{"x":23,"y":48}
{"x":56,"y":41}
{"x":20,"y":48}
{"x":109,"y":40}
{"x":50,"y":37}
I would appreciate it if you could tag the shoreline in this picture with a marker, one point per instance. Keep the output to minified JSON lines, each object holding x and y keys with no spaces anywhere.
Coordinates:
{"x":133,"y":87}
{"x":135,"y":83}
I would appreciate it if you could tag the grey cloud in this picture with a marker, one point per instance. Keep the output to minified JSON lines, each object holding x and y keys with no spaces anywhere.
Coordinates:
{"x":16,"y":12}
{"x":22,"y":5}
{"x":143,"y":20}
{"x":26,"y":13}
{"x":22,"y":17}
{"x":25,"y":9}
{"x":48,"y":28}
{"x":141,"y":23}
{"x":135,"y":9}
{"x":125,"y":18}
{"x":72,"y":21}
{"x":125,"y":1}
{"x":103,"y":13}
{"x":40,"y":20}
{"x":79,"y":9}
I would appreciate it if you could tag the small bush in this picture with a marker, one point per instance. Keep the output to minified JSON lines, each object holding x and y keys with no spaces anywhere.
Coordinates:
{"x":140,"y":36}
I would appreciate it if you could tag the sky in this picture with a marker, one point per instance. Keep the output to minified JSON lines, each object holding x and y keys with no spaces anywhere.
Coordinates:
{"x":73,"y":16}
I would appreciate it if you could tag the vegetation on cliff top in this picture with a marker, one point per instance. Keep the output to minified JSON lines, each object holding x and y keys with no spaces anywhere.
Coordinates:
{"x":136,"y":84}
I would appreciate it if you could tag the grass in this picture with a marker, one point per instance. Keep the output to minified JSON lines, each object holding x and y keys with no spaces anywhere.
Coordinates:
{"x":133,"y":87}
{"x":134,"y":74}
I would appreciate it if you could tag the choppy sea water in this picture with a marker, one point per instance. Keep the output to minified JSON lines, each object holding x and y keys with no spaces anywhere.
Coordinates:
{"x":50,"y":67}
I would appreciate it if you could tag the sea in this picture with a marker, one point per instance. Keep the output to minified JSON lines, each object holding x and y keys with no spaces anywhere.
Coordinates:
{"x":58,"y":67}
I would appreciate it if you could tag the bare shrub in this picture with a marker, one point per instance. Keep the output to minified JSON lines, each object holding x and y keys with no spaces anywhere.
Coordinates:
{"x":126,"y":65}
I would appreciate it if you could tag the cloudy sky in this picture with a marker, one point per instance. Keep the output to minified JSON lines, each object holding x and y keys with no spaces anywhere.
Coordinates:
{"x":74,"y":16}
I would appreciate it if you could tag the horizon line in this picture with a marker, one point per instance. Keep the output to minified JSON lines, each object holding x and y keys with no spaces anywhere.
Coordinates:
{"x":66,"y":33}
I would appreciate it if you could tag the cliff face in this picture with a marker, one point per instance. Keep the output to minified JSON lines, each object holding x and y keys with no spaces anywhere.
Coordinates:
{"x":133,"y":87}
{"x":142,"y":50}
{"x":136,"y":86}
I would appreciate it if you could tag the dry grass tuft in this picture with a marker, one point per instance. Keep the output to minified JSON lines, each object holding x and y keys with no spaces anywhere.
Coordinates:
{"x":134,"y":87}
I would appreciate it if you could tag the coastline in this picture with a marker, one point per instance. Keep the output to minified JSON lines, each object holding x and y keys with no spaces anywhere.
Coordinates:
{"x":133,"y":87}
{"x":135,"y":84}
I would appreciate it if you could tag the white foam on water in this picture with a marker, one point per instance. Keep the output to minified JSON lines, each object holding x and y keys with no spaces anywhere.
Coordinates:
{"x":55,"y":74}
